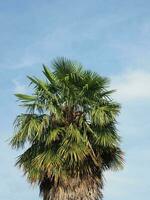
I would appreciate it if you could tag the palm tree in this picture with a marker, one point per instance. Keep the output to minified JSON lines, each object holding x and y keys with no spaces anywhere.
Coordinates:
{"x":69,"y":129}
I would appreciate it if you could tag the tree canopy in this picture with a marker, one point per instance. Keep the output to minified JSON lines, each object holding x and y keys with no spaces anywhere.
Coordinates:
{"x":69,"y":126}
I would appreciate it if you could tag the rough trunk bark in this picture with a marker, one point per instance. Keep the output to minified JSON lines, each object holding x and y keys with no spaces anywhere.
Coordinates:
{"x":75,"y":189}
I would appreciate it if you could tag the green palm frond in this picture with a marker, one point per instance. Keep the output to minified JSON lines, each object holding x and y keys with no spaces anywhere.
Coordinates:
{"x":105,"y":113}
{"x":69,"y":126}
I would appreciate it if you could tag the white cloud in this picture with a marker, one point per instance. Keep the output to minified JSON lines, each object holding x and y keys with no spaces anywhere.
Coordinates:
{"x":19,"y":87}
{"x":132,"y":85}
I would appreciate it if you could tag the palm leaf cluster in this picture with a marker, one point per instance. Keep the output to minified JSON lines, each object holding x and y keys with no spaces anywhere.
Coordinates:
{"x":70,"y":130}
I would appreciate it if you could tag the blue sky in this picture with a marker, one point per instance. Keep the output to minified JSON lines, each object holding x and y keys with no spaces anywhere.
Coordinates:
{"x":111,"y":37}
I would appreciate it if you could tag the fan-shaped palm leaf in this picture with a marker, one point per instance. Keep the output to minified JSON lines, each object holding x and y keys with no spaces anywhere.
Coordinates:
{"x":70,"y":129}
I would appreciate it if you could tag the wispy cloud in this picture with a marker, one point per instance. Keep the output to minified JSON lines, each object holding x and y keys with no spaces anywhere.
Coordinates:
{"x":68,"y":39}
{"x":132,"y":85}
{"x":19,"y":87}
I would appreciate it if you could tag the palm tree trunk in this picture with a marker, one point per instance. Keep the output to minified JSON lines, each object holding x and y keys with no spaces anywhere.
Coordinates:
{"x":88,"y":188}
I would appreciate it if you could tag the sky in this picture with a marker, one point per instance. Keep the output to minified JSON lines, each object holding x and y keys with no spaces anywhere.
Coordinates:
{"x":110,"y":37}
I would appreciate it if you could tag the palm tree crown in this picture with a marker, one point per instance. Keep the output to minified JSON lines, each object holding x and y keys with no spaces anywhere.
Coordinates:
{"x":70,"y":130}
